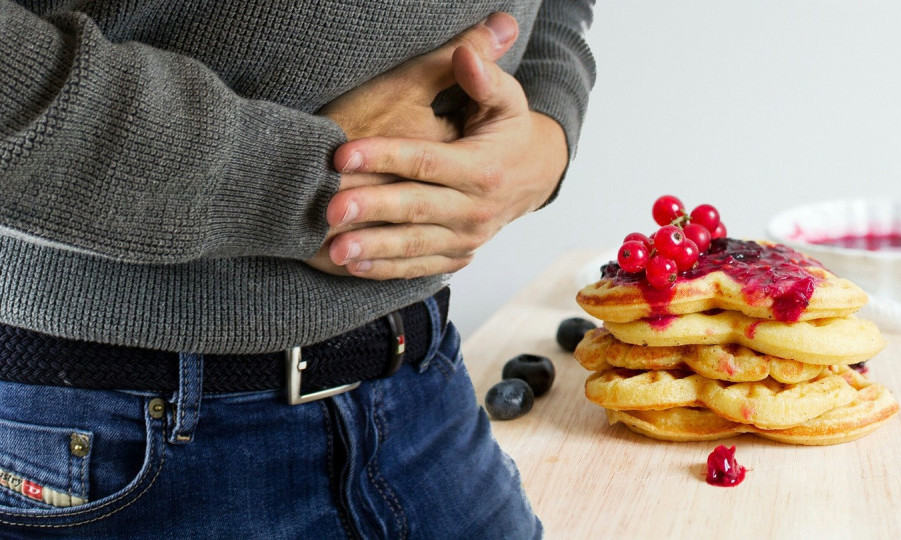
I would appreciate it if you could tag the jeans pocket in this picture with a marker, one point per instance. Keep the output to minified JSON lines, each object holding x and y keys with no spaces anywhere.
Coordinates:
{"x":43,"y":466}
{"x":56,"y":476}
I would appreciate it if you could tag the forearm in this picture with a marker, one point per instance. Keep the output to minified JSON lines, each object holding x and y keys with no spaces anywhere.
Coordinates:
{"x":134,"y":153}
{"x":558,"y":70}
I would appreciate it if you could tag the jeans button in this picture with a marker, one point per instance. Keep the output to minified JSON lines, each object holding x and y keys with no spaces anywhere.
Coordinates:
{"x":79,"y":445}
{"x":157,"y":408}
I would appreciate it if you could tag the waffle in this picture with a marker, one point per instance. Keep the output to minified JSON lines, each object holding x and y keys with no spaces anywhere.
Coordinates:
{"x":844,"y":340}
{"x":734,"y":363}
{"x":871,"y":407}
{"x":766,"y":404}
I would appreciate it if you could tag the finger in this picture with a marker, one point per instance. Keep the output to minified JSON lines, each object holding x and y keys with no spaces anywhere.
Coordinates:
{"x":397,"y":241}
{"x":403,"y":202}
{"x":382,"y":269}
{"x":490,"y":40}
{"x":455,"y":164}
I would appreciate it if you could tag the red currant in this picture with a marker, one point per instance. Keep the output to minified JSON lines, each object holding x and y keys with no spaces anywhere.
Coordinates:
{"x":706,"y":215}
{"x":661,"y":272}
{"x":668,"y":241}
{"x":698,"y":234}
{"x":666,"y":209}
{"x":687,"y":256}
{"x":719,"y":232}
{"x":633,"y":256}
{"x":639,"y":237}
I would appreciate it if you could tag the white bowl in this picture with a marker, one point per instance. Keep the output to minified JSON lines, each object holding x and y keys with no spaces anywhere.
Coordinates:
{"x":810,"y":228}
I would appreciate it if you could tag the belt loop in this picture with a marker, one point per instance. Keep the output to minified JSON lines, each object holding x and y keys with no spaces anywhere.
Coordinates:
{"x":190,"y":390}
{"x":436,"y":330}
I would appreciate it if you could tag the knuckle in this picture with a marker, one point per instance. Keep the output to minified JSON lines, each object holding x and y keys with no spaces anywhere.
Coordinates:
{"x":415,"y":245}
{"x":423,"y":164}
{"x":418,"y":211}
{"x":479,"y":219}
{"x":489,"y":180}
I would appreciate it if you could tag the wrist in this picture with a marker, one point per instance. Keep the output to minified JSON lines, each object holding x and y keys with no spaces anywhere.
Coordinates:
{"x":552,"y":144}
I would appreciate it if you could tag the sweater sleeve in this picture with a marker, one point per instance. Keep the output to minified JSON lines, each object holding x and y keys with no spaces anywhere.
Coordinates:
{"x":140,"y":155}
{"x":558,"y":70}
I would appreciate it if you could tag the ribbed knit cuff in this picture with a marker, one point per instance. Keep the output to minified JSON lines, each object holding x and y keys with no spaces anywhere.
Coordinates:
{"x":275,"y":189}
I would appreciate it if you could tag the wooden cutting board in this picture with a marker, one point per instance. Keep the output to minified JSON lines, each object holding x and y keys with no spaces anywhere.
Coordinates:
{"x":587,"y":479}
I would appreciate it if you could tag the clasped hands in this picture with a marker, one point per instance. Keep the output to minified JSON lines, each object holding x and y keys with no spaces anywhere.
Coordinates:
{"x":420,"y":193}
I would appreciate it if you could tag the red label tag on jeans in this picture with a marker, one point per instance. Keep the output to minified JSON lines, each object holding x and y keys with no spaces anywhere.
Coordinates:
{"x":35,"y":491}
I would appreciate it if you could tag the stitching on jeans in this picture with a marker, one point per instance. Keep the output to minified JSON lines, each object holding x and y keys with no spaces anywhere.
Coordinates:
{"x":84,"y":472}
{"x":141,"y":478}
{"x":376,"y":478}
{"x":182,"y":367}
{"x":195,"y":408}
{"x":441,"y":365}
{"x":334,"y":480}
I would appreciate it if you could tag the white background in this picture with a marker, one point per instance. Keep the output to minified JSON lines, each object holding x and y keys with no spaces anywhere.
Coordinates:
{"x":753,"y":106}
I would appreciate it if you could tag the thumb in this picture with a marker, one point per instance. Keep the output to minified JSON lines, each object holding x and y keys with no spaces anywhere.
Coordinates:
{"x":487,"y":84}
{"x":489,"y":40}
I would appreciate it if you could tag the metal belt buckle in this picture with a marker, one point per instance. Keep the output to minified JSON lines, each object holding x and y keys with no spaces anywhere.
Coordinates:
{"x":294,"y":368}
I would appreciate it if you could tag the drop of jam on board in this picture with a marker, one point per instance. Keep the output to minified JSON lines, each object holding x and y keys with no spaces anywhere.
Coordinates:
{"x":722,"y":469}
{"x":773,"y":271}
{"x":869,"y":241}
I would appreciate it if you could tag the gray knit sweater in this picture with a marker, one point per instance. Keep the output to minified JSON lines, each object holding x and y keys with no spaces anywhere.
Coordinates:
{"x":163,"y":171}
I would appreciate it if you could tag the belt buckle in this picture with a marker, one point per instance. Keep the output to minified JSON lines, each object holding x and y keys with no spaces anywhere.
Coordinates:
{"x":294,"y":367}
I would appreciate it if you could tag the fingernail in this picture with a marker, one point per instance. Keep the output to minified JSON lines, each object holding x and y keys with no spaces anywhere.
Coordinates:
{"x":353,"y":251}
{"x":354,"y":162}
{"x":351,"y":212}
{"x":501,"y":28}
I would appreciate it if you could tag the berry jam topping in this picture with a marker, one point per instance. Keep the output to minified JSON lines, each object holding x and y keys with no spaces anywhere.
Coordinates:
{"x":861,"y":367}
{"x":722,"y":469}
{"x":773,"y":272}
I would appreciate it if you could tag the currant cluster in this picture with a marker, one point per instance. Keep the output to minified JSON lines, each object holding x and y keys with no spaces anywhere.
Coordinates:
{"x":675,"y":246}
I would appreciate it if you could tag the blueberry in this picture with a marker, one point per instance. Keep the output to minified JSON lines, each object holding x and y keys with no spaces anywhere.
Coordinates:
{"x":509,"y":399}
{"x":537,"y":371}
{"x":571,"y":331}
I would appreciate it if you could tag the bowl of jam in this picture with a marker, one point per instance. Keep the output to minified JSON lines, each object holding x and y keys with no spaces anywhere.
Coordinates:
{"x":857,"y":239}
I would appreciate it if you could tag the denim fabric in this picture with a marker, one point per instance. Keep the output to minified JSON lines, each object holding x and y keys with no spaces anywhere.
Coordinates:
{"x":410,"y":456}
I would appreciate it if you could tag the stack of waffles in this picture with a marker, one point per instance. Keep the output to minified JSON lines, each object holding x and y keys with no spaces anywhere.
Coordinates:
{"x":759,"y":339}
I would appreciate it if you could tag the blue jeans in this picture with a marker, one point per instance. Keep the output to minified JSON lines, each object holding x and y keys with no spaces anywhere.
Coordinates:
{"x":409,"y":456}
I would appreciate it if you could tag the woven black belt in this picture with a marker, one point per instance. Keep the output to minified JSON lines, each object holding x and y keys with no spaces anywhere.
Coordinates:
{"x":371,"y":351}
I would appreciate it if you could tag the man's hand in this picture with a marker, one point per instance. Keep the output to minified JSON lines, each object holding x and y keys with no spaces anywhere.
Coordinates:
{"x":457,"y":194}
{"x":398,"y":104}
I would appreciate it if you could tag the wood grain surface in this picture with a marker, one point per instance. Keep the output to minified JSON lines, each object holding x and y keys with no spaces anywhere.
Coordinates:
{"x":587,"y":479}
